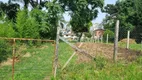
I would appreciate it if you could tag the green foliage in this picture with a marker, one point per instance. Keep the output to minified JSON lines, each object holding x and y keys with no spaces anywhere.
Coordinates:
{"x":48,"y":19}
{"x":52,"y":16}
{"x":129,"y":14}
{"x":132,"y":46}
{"x":27,"y":26}
{"x":43,"y":23}
{"x":88,"y":34}
{"x":35,"y":67}
{"x":39,"y":66}
{"x":139,"y":60}
{"x":5,"y":50}
{"x":82,"y":12}
{"x":110,"y":35}
{"x":10,"y":9}
{"x":100,"y":63}
{"x":7,"y":29}
{"x":34,"y":3}
{"x":40,"y":17}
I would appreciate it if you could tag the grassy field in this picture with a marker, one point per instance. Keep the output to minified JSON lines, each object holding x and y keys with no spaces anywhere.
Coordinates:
{"x":38,"y":66}
{"x":132,"y":46}
{"x":35,"y":64}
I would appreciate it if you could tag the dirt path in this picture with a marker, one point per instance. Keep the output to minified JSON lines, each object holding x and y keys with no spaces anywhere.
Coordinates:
{"x":106,"y":51}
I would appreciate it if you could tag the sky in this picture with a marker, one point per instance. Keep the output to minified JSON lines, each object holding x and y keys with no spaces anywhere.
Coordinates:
{"x":100,"y":17}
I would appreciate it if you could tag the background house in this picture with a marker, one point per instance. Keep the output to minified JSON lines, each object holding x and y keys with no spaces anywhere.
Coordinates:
{"x":68,"y":34}
{"x":97,"y":31}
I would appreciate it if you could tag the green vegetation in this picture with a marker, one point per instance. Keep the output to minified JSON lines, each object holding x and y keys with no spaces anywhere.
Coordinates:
{"x":43,"y":18}
{"x":102,"y":70}
{"x":129,"y":12}
{"x":131,"y":46}
{"x":27,"y":27}
{"x":32,"y":63}
{"x":5,"y":50}
{"x":110,"y":35}
{"x":39,"y":66}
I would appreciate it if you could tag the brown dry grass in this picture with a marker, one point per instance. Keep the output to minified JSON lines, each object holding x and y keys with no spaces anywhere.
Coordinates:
{"x":6,"y":63}
{"x":106,"y":51}
{"x":132,"y":41}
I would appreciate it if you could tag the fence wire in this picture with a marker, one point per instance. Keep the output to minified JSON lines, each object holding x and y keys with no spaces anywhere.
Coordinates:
{"x":33,"y":60}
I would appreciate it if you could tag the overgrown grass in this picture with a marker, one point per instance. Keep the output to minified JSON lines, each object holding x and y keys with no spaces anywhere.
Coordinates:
{"x":39,"y":65}
{"x":101,"y":69}
{"x":36,"y":66}
{"x":132,"y":46}
{"x":5,"y":50}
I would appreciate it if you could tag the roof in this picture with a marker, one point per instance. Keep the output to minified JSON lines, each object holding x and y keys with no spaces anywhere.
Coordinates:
{"x":97,"y":26}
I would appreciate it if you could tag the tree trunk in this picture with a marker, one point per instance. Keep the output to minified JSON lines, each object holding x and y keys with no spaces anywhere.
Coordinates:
{"x":80,"y":37}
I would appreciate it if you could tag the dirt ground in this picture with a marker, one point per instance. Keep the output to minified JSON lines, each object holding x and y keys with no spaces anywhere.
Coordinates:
{"x":106,"y":51}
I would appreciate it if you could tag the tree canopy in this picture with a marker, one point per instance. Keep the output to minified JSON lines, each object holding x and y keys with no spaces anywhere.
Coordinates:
{"x":82,"y":12}
{"x":47,"y":13}
{"x":9,"y":9}
{"x":129,"y":14}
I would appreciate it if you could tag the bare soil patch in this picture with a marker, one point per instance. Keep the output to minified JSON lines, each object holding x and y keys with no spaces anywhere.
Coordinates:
{"x":27,"y":55}
{"x":106,"y":51}
{"x":6,"y":63}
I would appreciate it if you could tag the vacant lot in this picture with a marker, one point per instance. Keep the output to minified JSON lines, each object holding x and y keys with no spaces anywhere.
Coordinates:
{"x":36,"y":64}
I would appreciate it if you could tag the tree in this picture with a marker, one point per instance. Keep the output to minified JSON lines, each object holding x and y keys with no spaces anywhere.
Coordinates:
{"x":82,"y":12}
{"x":10,"y":9}
{"x":129,"y":14}
{"x":48,"y":19}
{"x":6,"y":29}
{"x":34,"y":3}
{"x":26,"y":26}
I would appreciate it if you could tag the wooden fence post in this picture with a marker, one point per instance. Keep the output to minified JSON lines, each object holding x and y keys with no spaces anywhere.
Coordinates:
{"x":56,"y":52}
{"x":141,"y":45}
{"x":107,"y":39}
{"x":13,"y":62}
{"x":128,"y":38}
{"x":116,"y":41}
{"x":93,"y":37}
{"x":102,"y":39}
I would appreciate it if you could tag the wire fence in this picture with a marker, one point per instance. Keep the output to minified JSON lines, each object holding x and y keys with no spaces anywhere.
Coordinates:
{"x":27,"y":59}
{"x":102,"y":44}
{"x":126,"y":39}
